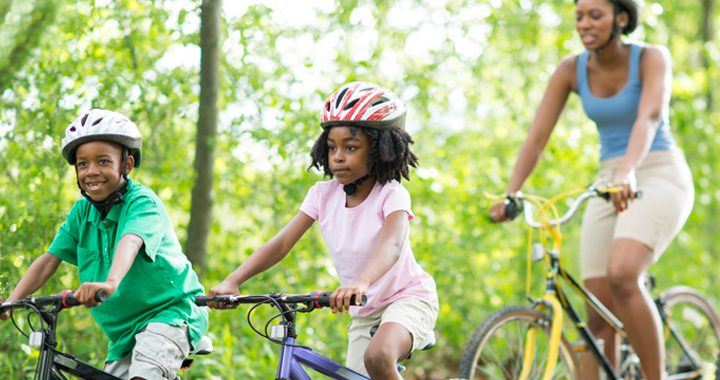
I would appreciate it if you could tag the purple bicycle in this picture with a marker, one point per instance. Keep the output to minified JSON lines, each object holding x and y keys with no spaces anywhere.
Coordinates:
{"x":294,"y":358}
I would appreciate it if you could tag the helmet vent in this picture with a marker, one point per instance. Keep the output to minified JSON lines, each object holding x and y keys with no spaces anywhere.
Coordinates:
{"x":84,"y":119}
{"x":380,"y":100}
{"x":97,"y":122}
{"x":72,"y":129}
{"x":340,"y":97}
{"x":351,"y":104}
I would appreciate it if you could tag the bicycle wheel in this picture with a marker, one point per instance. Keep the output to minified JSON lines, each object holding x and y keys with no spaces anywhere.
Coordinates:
{"x":496,"y":347}
{"x":697,"y":325}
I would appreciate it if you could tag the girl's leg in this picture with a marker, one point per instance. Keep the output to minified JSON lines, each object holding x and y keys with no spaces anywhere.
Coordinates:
{"x":629,"y":261}
{"x":600,"y":329}
{"x":391,"y":343}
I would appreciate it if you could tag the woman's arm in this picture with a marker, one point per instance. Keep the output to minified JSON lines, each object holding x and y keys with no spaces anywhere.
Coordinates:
{"x":266,"y":256}
{"x":384,"y":255}
{"x":656,"y":76}
{"x":546,"y":116}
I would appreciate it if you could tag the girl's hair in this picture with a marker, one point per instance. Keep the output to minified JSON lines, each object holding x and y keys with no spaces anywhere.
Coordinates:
{"x":389,"y":157}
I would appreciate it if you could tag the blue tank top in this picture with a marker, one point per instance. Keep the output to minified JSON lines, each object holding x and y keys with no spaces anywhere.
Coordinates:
{"x":614,"y":116}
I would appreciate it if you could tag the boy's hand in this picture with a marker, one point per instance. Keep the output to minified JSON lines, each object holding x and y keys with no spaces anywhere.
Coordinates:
{"x":340,"y":299}
{"x":85,"y":294}
{"x":223,"y":288}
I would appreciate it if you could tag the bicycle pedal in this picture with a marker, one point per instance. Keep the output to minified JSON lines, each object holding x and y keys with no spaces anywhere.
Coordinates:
{"x":36,"y":340}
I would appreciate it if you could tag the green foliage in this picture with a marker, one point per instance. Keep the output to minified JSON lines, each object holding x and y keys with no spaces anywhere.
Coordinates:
{"x":472,"y":73}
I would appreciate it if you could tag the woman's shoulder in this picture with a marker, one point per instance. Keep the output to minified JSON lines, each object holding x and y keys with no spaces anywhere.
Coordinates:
{"x":568,"y":65}
{"x":653,"y":52}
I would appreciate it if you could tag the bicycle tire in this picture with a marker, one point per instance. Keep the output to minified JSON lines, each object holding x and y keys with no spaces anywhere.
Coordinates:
{"x":694,"y":318}
{"x":495,"y":348}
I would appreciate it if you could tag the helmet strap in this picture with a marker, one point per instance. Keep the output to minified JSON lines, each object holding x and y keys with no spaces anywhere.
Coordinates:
{"x":352,"y":187}
{"x":615,"y":31}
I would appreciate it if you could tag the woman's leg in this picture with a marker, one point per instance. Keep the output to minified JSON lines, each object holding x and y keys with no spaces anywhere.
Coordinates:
{"x":629,"y":261}
{"x":391,"y":343}
{"x":600,"y":329}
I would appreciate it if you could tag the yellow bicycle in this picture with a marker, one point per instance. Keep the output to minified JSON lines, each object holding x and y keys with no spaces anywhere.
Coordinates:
{"x":530,"y":342}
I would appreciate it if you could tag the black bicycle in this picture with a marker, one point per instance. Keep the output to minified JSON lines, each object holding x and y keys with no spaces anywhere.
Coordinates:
{"x":53,"y":364}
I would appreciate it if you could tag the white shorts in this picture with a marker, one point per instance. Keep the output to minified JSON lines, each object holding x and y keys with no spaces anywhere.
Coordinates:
{"x":417,"y":316}
{"x":653,"y":220}
{"x":158,"y":354}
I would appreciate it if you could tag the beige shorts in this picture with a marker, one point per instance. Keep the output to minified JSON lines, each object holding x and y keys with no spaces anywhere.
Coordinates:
{"x":654,"y":219}
{"x":159,"y":351}
{"x":417,"y":316}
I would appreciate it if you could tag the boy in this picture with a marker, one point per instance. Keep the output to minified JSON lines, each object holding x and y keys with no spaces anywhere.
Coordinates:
{"x":120,"y":237}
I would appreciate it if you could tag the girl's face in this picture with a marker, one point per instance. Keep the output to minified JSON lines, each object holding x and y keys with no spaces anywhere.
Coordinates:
{"x":348,"y":153}
{"x":98,"y":165}
{"x":594,"y":20}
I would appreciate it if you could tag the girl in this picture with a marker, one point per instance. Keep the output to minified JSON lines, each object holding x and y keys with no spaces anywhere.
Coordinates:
{"x":625,"y":89}
{"x":363,"y":213}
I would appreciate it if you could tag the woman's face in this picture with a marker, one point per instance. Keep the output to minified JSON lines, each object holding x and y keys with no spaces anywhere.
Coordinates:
{"x":594,"y":21}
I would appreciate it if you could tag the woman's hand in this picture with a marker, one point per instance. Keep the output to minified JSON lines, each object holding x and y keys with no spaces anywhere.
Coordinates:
{"x":340,"y":299}
{"x":497,"y":212}
{"x":221,"y":289}
{"x":626,"y":185}
{"x":5,"y":314}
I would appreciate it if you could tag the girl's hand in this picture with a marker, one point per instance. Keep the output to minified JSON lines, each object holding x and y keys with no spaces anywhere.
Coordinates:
{"x":627,"y":187}
{"x":223,"y":288}
{"x":340,"y":299}
{"x":85,"y":294}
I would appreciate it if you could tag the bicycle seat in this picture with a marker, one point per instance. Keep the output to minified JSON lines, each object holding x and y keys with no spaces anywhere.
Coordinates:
{"x":204,"y":347}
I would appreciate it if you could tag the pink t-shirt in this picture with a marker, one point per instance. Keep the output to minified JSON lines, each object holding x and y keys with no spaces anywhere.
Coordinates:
{"x":351,"y":233}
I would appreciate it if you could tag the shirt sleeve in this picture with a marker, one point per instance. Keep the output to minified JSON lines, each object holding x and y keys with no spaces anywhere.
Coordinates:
{"x":144,"y":218}
{"x":397,"y":198}
{"x":65,"y":243}
{"x":311,"y":204}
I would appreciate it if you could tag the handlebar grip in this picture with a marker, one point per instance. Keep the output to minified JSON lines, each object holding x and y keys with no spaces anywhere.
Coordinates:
{"x":322,"y":299}
{"x":513,"y":207}
{"x":202,"y":300}
{"x":67,"y":298}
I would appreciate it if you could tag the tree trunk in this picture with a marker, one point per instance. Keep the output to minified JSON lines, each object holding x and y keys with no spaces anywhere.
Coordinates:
{"x":202,"y":198}
{"x":707,"y":33}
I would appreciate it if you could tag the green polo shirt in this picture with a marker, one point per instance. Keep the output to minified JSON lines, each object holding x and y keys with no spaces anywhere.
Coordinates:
{"x":160,"y":285}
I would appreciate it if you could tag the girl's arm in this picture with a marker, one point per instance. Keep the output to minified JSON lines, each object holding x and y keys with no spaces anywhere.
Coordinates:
{"x":125,"y":253}
{"x":656,"y":76}
{"x":384,"y":255}
{"x":546,"y":116}
{"x":265,"y":257}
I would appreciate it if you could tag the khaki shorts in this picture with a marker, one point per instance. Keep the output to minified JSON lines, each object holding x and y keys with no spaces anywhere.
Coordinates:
{"x":417,"y":316}
{"x":159,"y":351}
{"x":653,"y":220}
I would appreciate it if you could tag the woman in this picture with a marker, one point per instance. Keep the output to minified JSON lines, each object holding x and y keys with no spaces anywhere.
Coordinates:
{"x":625,"y":90}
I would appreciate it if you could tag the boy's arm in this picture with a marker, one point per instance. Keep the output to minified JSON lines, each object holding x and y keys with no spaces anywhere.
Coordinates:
{"x":265,"y":257}
{"x":125,"y":253}
{"x":385,"y":254}
{"x":39,"y":272}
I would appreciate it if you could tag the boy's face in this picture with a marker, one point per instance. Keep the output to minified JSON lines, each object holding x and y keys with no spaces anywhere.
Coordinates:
{"x":348,"y":150}
{"x":98,"y":168}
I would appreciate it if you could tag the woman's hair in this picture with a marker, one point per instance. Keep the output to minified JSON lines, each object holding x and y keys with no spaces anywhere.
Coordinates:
{"x":630,"y":7}
{"x":389,"y":156}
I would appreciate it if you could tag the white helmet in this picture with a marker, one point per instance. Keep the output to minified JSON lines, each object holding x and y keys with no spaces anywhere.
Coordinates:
{"x":101,"y":125}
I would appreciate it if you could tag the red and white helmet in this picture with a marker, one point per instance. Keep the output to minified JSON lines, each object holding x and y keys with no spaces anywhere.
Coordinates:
{"x":363,"y":104}
{"x":101,"y":125}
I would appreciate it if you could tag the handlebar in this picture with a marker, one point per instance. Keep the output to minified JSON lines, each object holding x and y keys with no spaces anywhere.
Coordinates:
{"x":519,"y":203}
{"x":314,"y":300}
{"x":64,"y":300}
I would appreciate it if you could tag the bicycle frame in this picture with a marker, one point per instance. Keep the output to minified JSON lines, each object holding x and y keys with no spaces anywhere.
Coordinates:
{"x":53,"y":363}
{"x":555,"y":296}
{"x":293,"y":357}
